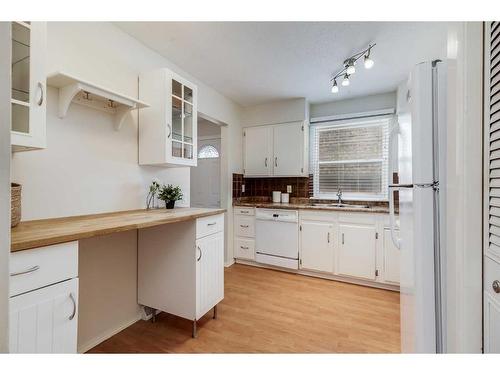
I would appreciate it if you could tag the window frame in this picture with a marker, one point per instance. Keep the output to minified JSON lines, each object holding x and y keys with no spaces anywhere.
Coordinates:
{"x":349,"y":123}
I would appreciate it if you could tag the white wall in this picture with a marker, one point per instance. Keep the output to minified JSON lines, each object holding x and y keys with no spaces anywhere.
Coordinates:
{"x":355,"y":105}
{"x":207,"y":128}
{"x":5,"y":48}
{"x":84,"y":144}
{"x":88,"y":167}
{"x":276,"y":112}
{"x":464,"y":189}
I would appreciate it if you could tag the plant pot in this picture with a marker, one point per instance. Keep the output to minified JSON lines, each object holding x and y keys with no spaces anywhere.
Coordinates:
{"x":170,"y":204}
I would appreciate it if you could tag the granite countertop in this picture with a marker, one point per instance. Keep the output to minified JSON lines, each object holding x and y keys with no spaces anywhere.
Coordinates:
{"x":301,"y":204}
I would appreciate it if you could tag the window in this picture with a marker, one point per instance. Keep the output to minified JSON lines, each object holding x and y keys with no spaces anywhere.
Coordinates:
{"x":208,"y":152}
{"x":351,"y":155}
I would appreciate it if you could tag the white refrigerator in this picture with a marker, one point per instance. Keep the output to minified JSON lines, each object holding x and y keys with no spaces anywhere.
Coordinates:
{"x":421,"y":146}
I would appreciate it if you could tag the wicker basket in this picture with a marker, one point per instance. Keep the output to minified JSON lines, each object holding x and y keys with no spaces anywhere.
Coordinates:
{"x":15,"y":204}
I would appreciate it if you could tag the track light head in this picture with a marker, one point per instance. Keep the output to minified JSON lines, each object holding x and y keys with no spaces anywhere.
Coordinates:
{"x":345,"y":81}
{"x":335,"y":88}
{"x":368,"y":61}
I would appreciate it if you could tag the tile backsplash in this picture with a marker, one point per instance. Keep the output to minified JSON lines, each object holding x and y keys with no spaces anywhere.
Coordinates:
{"x":264,"y":186}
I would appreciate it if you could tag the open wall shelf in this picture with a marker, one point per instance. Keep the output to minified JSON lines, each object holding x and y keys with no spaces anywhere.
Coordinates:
{"x":73,"y":89}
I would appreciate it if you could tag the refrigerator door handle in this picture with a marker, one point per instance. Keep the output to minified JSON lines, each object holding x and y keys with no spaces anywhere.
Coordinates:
{"x":392,"y":217}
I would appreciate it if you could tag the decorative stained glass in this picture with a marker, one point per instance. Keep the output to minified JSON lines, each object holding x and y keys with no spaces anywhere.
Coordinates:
{"x":208,"y":152}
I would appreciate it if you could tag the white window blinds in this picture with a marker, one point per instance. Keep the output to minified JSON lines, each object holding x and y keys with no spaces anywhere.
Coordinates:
{"x":494,"y":140}
{"x":351,"y":155}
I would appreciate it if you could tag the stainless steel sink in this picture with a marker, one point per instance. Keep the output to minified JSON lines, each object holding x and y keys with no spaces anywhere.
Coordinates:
{"x":338,"y":205}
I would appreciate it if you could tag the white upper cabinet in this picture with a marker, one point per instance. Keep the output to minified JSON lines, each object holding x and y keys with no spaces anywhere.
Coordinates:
{"x":288,"y":146}
{"x":29,"y":94}
{"x":258,"y":151}
{"x":168,"y":128}
{"x":276,"y":150}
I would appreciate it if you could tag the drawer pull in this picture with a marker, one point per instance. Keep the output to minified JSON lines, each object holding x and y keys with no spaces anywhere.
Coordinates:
{"x":243,"y":226}
{"x":496,"y":286}
{"x":210,"y":224}
{"x":29,"y":270}
{"x":244,"y":212}
{"x":244,"y":247}
{"x":74,"y":307}
{"x":199,"y":258}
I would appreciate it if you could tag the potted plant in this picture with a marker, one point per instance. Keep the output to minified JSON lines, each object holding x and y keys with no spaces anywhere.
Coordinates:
{"x":170,"y":195}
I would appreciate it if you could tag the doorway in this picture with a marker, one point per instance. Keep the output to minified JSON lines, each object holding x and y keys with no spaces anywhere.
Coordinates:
{"x":206,"y":177}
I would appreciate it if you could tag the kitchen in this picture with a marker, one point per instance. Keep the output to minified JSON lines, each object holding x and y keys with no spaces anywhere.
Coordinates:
{"x":311,"y":190}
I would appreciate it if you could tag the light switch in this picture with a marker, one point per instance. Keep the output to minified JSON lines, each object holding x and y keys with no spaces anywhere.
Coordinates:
{"x":288,"y":189}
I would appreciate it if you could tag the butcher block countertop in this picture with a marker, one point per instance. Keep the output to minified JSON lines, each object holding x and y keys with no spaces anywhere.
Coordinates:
{"x":37,"y":233}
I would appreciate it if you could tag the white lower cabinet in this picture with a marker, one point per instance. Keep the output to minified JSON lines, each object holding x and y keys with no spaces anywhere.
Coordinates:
{"x":342,"y":245}
{"x":209,"y":272}
{"x":244,"y":233}
{"x":357,"y":251}
{"x":181,"y":267}
{"x":43,"y":304}
{"x":244,"y":248}
{"x":316,"y":244}
{"x":45,"y":320}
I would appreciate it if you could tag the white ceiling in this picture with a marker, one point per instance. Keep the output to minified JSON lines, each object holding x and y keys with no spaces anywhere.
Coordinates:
{"x":255,"y":62}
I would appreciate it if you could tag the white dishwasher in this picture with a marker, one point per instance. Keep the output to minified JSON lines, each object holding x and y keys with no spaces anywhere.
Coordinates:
{"x":277,"y":237}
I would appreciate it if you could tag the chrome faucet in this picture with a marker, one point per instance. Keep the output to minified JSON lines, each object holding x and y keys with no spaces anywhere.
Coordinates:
{"x":339,"y":195}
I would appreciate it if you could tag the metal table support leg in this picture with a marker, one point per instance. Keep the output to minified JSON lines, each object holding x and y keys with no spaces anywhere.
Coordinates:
{"x":153,"y":312}
{"x":215,"y":312}
{"x":195,"y":333}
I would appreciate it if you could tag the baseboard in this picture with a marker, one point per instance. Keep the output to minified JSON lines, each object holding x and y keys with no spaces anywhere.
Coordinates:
{"x":349,"y":280}
{"x":230,"y":263}
{"x":106,"y":335}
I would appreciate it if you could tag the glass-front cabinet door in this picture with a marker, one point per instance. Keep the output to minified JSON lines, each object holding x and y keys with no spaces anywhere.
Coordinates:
{"x":28,"y":85}
{"x":168,"y":127}
{"x":183,"y":121}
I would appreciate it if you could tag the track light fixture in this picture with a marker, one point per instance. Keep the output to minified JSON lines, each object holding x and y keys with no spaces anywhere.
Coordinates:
{"x":349,"y":67}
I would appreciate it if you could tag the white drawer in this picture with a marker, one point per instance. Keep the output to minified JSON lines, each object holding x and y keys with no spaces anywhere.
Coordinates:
{"x":36,"y":268}
{"x":209,"y":225}
{"x":250,"y":211}
{"x":245,"y":248}
{"x":244,"y":226}
{"x":491,"y":273}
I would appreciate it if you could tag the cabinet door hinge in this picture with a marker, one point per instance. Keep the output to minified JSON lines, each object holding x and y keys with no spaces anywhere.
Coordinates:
{"x":300,"y":261}
{"x":300,"y":227}
{"x":376,"y":272}
{"x":376,"y":235}
{"x":302,"y":127}
{"x":301,"y":170}
{"x":243,"y":170}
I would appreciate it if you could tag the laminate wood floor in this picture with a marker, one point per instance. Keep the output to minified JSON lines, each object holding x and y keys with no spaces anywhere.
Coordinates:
{"x":266,"y":311}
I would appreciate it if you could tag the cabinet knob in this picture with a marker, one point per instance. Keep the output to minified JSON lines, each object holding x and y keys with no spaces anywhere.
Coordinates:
{"x":496,"y":286}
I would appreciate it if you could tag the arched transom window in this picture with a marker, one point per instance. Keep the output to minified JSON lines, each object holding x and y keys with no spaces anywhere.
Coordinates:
{"x":208,"y":152}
